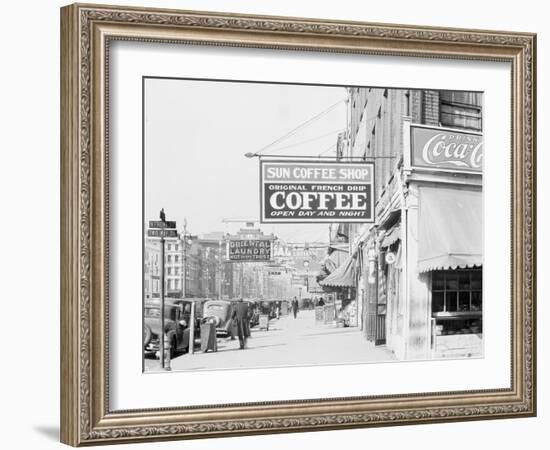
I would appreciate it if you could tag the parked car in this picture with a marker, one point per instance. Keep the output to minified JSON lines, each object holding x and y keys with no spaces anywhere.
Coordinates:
{"x":271,"y":308}
{"x":220,"y":313}
{"x":186,"y":308}
{"x":253,"y":313}
{"x":176,"y":325}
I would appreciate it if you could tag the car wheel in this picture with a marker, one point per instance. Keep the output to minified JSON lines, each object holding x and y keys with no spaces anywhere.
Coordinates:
{"x":147,"y":335}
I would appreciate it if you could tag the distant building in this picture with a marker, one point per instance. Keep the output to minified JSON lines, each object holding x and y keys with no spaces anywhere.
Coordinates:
{"x":189,"y":264}
{"x":151,"y":269}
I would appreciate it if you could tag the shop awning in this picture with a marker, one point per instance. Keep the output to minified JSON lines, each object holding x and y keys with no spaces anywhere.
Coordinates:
{"x":450,"y":234}
{"x":343,"y":275}
{"x":391,"y":237}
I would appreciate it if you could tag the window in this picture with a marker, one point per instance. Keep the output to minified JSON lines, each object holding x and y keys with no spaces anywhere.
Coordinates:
{"x":460,"y":109}
{"x":457,"y":301}
{"x":456,"y":291}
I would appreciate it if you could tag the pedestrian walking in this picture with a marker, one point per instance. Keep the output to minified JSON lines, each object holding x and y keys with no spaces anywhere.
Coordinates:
{"x":295,"y":307}
{"x":240,"y":316}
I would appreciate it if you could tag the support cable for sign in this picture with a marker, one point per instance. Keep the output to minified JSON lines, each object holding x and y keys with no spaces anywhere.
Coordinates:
{"x":307,"y":141}
{"x":333,"y":146}
{"x":299,"y":127}
{"x":259,"y":153}
{"x":343,"y":158}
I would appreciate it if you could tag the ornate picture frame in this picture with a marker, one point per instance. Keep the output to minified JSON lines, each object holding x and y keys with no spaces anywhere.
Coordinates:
{"x":86,"y":34}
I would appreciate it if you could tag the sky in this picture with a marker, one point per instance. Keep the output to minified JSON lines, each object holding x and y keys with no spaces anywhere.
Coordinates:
{"x":196,"y":135}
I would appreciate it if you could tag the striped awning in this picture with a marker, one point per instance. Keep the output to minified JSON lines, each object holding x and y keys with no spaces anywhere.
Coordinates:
{"x":450,"y":228}
{"x":343,"y":275}
{"x":391,"y":237}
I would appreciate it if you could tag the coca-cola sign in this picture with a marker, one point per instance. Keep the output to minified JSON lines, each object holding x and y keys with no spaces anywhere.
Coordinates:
{"x":440,"y":148}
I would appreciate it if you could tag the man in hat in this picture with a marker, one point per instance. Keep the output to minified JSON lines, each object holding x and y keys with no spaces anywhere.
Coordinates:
{"x":240,"y":316}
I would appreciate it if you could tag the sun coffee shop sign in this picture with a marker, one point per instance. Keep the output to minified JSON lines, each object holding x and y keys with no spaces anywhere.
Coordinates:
{"x":446,"y":149}
{"x":316,"y":191}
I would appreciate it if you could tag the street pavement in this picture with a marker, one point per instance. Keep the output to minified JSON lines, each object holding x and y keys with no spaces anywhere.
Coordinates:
{"x":288,"y":342}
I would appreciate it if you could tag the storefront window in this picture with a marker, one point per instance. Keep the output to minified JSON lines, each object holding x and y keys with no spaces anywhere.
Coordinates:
{"x":456,"y":290}
{"x":457,"y":301}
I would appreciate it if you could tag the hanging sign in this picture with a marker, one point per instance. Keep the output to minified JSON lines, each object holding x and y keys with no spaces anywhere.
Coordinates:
{"x":390,"y":258}
{"x":316,"y":191}
{"x":249,"y":250}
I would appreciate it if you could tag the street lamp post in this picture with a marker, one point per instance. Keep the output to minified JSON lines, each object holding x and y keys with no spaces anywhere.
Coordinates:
{"x":183,"y":265}
{"x":306,"y":265}
{"x":185,"y":240}
{"x":220,"y":270}
{"x":184,"y":258}
{"x":162,"y":308}
{"x":242,"y":280}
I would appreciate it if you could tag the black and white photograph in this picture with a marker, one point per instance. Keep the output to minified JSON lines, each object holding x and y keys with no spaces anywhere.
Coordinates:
{"x":299,"y":225}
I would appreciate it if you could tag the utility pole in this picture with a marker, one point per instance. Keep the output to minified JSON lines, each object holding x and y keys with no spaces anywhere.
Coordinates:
{"x":220,"y":269}
{"x":162,"y":324}
{"x":242,"y":280}
{"x":184,"y":259}
{"x":162,"y":229}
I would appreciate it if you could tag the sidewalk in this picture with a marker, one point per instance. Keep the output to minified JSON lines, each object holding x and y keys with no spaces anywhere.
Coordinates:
{"x":288,"y":342}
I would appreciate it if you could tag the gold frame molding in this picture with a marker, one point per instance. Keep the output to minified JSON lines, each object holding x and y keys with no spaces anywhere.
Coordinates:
{"x":86,"y":31}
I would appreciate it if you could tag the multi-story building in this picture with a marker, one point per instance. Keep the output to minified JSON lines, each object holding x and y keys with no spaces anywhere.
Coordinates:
{"x":418,"y":267}
{"x":191,"y":264}
{"x":214,"y":265}
{"x":151,"y":269}
{"x":174,"y":266}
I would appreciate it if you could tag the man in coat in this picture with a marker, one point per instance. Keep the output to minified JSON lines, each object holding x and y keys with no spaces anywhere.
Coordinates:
{"x":240,"y":316}
{"x":295,"y":307}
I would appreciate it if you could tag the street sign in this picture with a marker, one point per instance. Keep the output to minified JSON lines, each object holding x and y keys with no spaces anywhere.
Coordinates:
{"x":161,"y":224}
{"x":163,"y":233}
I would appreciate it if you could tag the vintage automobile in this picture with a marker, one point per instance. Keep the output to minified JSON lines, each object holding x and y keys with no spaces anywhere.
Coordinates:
{"x":271,"y":308}
{"x":177,"y":318}
{"x":220,"y":313}
{"x":253,"y":313}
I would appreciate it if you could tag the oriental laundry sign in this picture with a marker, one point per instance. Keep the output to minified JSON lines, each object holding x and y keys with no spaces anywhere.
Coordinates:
{"x":445,"y":149}
{"x":251,"y":250}
{"x":316,"y":191}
